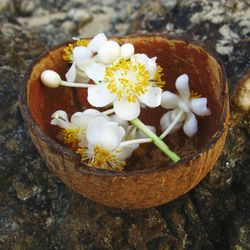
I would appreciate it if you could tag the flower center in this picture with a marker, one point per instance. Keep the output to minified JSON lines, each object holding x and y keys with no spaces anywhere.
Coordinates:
{"x":101,"y":158}
{"x":126,"y":78}
{"x":70,"y":135}
{"x":68,"y":50}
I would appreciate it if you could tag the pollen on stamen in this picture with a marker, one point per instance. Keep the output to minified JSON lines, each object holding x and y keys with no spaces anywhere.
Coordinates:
{"x":81,"y":42}
{"x":158,"y":77}
{"x":128,"y":79}
{"x":101,"y":158}
{"x":70,"y":136}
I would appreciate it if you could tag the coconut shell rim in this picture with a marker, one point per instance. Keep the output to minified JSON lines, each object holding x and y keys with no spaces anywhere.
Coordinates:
{"x":85,"y":168}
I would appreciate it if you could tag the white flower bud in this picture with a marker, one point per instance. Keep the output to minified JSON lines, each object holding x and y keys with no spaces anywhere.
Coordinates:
{"x":51,"y":79}
{"x":127,"y":50}
{"x":109,"y":52}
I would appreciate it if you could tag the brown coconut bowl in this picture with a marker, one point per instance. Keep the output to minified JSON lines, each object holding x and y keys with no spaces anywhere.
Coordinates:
{"x":161,"y":181}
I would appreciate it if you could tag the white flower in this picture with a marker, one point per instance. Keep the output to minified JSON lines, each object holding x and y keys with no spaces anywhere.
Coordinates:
{"x":185,"y":105}
{"x":74,"y":131}
{"x":97,"y":50}
{"x":97,"y":137}
{"x":126,"y":84}
{"x":104,"y":138}
{"x":82,"y":55}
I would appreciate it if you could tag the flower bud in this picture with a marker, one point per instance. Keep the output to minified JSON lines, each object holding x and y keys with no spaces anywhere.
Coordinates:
{"x":109,"y":52}
{"x":51,"y":79}
{"x":127,"y":50}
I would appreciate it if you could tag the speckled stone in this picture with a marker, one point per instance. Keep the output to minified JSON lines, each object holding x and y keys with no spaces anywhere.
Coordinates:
{"x":242,"y":93}
{"x":37,"y":211}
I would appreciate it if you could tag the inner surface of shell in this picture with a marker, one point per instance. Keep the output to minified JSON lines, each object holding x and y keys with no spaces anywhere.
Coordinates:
{"x":176,"y":57}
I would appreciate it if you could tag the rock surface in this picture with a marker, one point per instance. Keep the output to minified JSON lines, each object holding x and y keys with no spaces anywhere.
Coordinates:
{"x":37,"y":211}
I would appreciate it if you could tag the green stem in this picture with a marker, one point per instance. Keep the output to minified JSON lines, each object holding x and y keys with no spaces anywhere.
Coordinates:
{"x":156,"y":140}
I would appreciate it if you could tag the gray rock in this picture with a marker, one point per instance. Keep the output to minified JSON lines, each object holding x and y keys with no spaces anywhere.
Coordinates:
{"x":238,"y":230}
{"x":25,"y":7}
{"x":154,"y":16}
{"x":6,"y":6}
{"x":79,"y":15}
{"x":69,"y":26}
{"x":242,"y":93}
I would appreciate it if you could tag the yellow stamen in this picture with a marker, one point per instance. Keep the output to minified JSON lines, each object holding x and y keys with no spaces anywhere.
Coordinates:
{"x":68,"y":50}
{"x":81,"y":42}
{"x":158,"y":77}
{"x":126,"y":78}
{"x":70,"y":135}
{"x":68,"y":53}
{"x":194,"y":94}
{"x":102,"y":158}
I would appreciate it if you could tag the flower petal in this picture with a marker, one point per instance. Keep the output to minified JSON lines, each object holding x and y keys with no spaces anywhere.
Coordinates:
{"x":81,"y":76}
{"x":174,"y":113}
{"x":127,"y":110}
{"x":150,"y":63}
{"x":60,"y":118}
{"x":99,"y":95}
{"x":181,"y":85}
{"x":199,"y":106}
{"x":82,"y":119}
{"x":96,"y":72}
{"x":71,"y":74}
{"x":111,"y":135}
{"x":166,"y":120}
{"x":120,"y":122}
{"x":152,"y":97}
{"x":86,"y":63}
{"x":93,"y":130}
{"x":97,"y":42}
{"x":190,"y":125}
{"x":169,"y":100}
{"x":60,"y":113}
{"x":91,"y":112}
{"x":81,"y":53}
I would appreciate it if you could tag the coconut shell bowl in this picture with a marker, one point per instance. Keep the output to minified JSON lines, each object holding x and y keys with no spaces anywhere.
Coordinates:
{"x":149,"y":179}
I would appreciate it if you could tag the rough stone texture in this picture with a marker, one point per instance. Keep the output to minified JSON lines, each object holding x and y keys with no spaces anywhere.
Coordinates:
{"x":37,"y":211}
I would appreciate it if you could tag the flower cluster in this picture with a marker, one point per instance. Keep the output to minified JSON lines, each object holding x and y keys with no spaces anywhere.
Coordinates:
{"x":102,"y":141}
{"x":124,"y":82}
